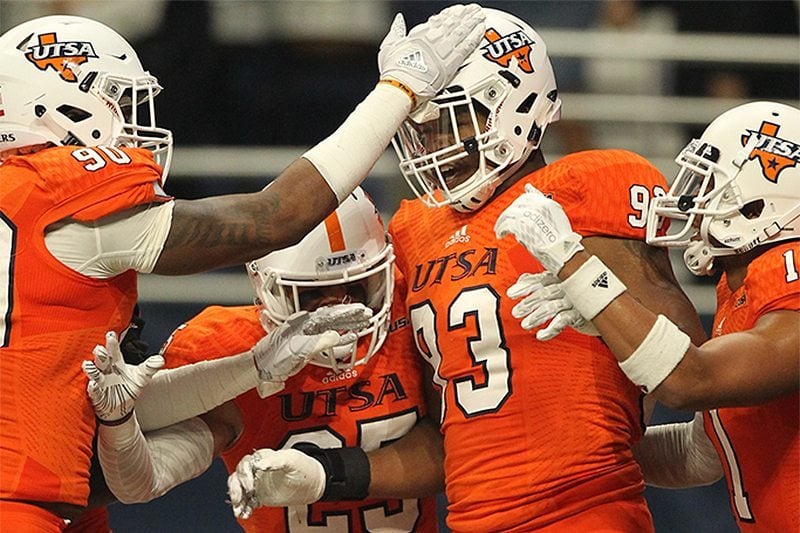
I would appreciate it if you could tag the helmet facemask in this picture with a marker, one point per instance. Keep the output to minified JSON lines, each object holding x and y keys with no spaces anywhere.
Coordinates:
{"x":131,"y":100}
{"x":446,"y":150}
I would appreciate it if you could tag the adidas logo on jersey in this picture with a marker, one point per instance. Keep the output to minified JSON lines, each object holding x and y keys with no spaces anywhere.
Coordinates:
{"x":332,"y":376}
{"x":601,"y":281}
{"x":460,"y":235}
{"x":414,"y":60}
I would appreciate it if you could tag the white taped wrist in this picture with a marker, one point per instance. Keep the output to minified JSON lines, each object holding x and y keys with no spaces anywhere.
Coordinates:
{"x":592,"y":287}
{"x":345,"y":158}
{"x":657,"y":355}
{"x":138,"y":468}
{"x":678,"y":455}
{"x":177,"y":394}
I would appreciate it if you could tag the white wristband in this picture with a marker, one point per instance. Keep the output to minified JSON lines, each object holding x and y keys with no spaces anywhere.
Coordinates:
{"x":592,"y":287}
{"x":657,"y":355}
{"x":345,"y":158}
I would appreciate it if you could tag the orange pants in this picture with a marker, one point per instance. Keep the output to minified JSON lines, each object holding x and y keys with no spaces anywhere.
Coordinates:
{"x":26,"y":518}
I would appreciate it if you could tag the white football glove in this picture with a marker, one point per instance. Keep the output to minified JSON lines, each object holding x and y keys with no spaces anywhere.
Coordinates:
{"x":543,"y":299}
{"x":114,"y":385}
{"x":426,"y":59}
{"x":542,"y":227}
{"x":275,"y":478}
{"x":286,"y":350}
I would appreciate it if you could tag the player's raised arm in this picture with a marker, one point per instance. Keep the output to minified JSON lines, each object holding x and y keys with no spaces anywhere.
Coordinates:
{"x":233,"y":229}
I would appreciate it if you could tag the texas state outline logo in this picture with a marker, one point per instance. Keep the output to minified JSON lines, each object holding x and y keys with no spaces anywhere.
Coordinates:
{"x":773,"y":153}
{"x":50,"y":53}
{"x":502,"y":48}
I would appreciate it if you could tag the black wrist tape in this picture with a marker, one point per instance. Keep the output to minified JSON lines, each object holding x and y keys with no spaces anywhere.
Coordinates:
{"x":346,"y":470}
{"x":117,"y":422}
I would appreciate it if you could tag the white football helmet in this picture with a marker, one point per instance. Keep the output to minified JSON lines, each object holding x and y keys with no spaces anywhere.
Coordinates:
{"x":349,"y":247}
{"x":738,"y":186}
{"x":456,"y":149}
{"x":74,"y":81}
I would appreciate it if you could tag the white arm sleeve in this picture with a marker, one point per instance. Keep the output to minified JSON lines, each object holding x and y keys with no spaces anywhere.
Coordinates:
{"x":177,"y":394}
{"x":102,"y":249}
{"x":345,"y":158}
{"x":678,"y":455}
{"x":138,"y":468}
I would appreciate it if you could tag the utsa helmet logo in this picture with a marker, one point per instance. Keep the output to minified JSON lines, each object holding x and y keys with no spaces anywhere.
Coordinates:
{"x":774,"y":154}
{"x":50,"y":53}
{"x":502,"y":48}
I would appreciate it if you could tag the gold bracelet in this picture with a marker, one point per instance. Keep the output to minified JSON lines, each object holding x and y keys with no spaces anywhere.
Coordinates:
{"x":403,"y":87}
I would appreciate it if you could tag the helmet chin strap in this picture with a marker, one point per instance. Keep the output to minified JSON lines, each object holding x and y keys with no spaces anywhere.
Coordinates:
{"x":484,"y":193}
{"x":698,"y":259}
{"x":335,"y":357}
{"x":476,"y":200}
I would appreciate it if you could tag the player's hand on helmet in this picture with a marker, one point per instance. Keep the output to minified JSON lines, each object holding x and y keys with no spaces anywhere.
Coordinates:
{"x":275,"y":478}
{"x":426,"y":59}
{"x":114,"y":386}
{"x":544,"y":300}
{"x":285,"y":351}
{"x":542,"y":227}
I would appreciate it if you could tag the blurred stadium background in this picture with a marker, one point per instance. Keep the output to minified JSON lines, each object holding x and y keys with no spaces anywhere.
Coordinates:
{"x":249,"y":85}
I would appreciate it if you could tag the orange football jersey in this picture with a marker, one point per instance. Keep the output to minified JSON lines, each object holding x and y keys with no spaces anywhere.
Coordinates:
{"x":759,"y":446}
{"x":51,"y":316}
{"x":535,"y":433}
{"x":368,"y":406}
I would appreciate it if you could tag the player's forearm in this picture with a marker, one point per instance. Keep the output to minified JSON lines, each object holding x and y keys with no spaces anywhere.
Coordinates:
{"x":138,"y":469}
{"x":178,"y":394}
{"x":648,"y":346}
{"x":233,"y":229}
{"x":412,"y":467}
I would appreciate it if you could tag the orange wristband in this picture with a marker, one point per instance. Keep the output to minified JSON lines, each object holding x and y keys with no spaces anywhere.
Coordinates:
{"x":403,"y":87}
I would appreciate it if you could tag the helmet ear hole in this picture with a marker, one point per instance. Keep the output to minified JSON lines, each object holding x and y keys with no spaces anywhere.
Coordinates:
{"x":752,"y":210}
{"x":73,"y":113}
{"x":527,"y":104}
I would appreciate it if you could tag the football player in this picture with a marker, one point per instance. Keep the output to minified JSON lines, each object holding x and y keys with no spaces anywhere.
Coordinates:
{"x":82,"y":210}
{"x":365,"y":392}
{"x":537,"y":436}
{"x":734,"y":206}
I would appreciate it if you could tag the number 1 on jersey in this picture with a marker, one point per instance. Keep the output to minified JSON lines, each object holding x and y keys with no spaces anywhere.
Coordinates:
{"x":8,"y":241}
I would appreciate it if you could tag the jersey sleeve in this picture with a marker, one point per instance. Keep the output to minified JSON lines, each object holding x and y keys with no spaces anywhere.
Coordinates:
{"x":773,"y":281}
{"x":607,"y":192}
{"x":92,"y":182}
{"x":215,"y":333}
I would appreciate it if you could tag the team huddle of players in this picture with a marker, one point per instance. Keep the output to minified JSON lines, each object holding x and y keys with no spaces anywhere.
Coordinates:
{"x":373,"y":367}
